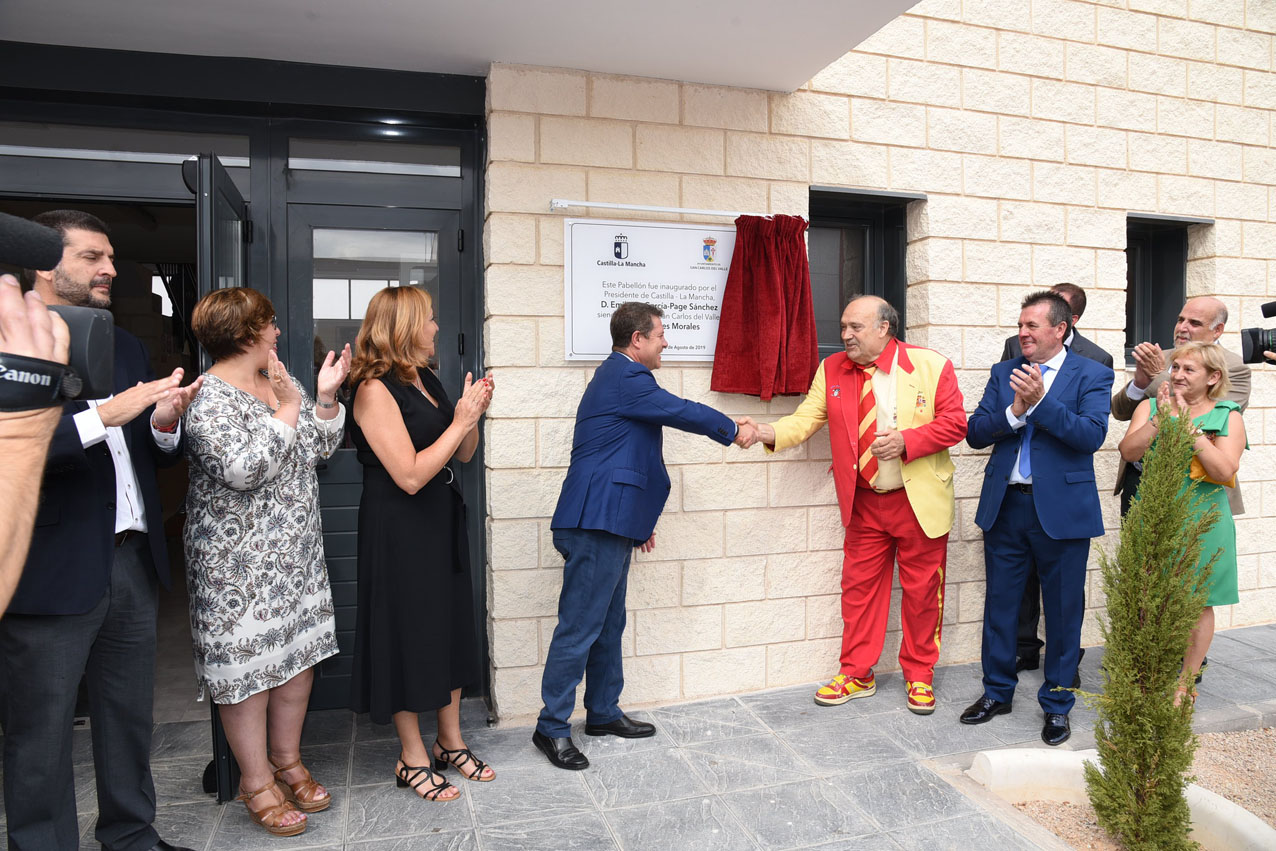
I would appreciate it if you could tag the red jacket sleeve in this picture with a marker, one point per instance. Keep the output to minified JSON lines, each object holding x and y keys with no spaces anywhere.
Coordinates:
{"x":948,"y":428}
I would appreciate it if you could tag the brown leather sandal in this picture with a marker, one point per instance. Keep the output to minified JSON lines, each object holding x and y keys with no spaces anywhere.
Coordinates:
{"x":271,"y":817}
{"x":305,"y":792}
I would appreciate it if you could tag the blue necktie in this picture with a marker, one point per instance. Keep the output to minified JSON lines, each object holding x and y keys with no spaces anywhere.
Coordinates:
{"x":1025,"y":448}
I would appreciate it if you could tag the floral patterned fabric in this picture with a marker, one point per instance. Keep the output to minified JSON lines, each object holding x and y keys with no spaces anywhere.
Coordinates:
{"x":260,"y":604}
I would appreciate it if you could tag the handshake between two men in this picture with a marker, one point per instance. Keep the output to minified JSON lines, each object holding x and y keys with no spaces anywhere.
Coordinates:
{"x":887,"y":445}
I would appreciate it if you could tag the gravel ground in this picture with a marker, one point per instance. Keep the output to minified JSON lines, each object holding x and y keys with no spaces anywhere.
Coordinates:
{"x":1239,"y":766}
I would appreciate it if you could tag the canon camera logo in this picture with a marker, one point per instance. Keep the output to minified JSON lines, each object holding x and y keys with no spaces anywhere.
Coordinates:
{"x":24,"y":377}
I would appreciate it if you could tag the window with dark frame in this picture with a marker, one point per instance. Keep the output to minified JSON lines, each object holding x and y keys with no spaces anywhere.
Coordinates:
{"x":855,"y":245}
{"x":1155,"y":278}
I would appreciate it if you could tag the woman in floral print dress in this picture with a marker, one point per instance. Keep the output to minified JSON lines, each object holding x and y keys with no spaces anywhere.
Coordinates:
{"x":260,"y":604}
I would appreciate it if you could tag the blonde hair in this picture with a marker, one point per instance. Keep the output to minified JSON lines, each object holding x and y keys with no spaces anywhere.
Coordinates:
{"x":389,"y":339}
{"x":1211,"y":357}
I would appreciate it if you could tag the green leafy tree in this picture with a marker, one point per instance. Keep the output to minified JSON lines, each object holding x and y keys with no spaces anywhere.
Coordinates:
{"x":1154,"y":597}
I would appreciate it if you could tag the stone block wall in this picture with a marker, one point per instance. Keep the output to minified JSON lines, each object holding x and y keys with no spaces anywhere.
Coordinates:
{"x":1033,"y":127}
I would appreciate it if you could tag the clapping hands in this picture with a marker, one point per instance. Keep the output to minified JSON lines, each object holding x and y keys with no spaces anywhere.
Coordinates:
{"x":1149,"y":362}
{"x":280,"y":381}
{"x":170,"y":409}
{"x":1028,"y":386}
{"x":332,"y":374}
{"x":1169,"y":403}
{"x":475,"y":399}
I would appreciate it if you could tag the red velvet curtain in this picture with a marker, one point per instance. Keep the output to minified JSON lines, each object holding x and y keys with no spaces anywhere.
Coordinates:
{"x":766,"y":338}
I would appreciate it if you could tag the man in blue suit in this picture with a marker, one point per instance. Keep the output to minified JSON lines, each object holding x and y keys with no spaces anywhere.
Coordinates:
{"x":1045,"y":414}
{"x":1029,"y":652}
{"x":87,"y":600}
{"x":615,"y":489}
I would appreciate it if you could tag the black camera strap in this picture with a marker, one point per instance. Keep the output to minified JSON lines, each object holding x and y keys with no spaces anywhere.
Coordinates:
{"x":27,"y":384}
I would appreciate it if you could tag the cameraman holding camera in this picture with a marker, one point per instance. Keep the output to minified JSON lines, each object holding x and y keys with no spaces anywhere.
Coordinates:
{"x":27,"y":329}
{"x":87,"y":600}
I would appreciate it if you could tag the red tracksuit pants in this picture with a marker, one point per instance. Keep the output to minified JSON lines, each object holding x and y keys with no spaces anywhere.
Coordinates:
{"x":883,"y":528}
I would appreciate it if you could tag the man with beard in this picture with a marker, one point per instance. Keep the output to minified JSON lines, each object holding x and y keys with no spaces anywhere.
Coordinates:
{"x":86,"y":604}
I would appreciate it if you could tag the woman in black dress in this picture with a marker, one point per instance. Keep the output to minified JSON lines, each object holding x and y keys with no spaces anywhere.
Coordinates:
{"x":415,"y":638}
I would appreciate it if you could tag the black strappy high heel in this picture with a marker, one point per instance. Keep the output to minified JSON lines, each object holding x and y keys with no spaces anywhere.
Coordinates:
{"x":419,"y":776}
{"x":458,"y":758}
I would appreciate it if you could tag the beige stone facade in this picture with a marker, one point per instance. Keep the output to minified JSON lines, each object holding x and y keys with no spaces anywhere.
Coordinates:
{"x":1033,"y":128}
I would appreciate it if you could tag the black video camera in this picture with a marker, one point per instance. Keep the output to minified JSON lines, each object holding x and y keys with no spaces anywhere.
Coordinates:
{"x":27,"y":384}
{"x":1255,"y":341}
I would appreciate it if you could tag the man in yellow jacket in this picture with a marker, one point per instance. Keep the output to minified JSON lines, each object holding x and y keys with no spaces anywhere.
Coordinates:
{"x":893,"y":410}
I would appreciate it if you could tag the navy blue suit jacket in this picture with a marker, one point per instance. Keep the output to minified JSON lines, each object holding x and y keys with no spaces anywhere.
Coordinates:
{"x":68,"y":568}
{"x":617,"y":480}
{"x":1069,"y":424}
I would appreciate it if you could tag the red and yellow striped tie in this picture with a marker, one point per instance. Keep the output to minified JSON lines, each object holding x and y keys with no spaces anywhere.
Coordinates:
{"x":868,"y":425}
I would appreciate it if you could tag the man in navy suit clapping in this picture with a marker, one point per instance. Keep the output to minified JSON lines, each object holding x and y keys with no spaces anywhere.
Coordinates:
{"x":1044,"y":414}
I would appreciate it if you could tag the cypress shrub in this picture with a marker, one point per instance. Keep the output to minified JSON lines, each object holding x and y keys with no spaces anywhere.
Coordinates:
{"x":1154,"y":598}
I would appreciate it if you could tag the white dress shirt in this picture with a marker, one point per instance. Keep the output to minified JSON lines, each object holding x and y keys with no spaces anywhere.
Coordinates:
{"x":130,"y":513}
{"x":1017,"y":423}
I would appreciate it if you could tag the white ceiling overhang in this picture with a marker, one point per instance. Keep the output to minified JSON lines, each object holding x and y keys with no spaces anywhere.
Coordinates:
{"x":745,"y":43}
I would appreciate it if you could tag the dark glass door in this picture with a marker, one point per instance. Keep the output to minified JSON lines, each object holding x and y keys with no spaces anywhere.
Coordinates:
{"x":338,"y":258}
{"x":222,"y":227}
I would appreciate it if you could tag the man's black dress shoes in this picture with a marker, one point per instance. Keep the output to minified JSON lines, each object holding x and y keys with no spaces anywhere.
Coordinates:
{"x":624,"y":726}
{"x":983,"y":710}
{"x":164,"y":846}
{"x":1057,"y":729}
{"x":561,"y":752}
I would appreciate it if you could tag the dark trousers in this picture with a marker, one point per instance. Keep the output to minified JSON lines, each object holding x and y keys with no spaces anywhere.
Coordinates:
{"x":591,"y":621}
{"x":1028,"y":644}
{"x":42,"y":658}
{"x":1129,"y":487}
{"x":1013,"y":543}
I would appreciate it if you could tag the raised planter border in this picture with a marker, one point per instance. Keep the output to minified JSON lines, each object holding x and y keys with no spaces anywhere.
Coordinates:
{"x":1036,"y":774}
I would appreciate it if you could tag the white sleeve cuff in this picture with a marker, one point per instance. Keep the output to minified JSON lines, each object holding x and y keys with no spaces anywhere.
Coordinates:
{"x":89,"y":424}
{"x":1134,"y":392}
{"x":1016,"y":423}
{"x":166,"y":440}
{"x":333,"y":425}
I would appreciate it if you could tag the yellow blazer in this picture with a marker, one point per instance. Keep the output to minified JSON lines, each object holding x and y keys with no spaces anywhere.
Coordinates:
{"x":930,"y":416}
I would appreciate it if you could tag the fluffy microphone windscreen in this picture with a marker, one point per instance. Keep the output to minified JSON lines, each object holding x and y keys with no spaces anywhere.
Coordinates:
{"x":29,"y":245}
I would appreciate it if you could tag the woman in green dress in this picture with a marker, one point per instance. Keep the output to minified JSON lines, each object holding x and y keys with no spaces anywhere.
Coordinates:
{"x":1196,"y":385}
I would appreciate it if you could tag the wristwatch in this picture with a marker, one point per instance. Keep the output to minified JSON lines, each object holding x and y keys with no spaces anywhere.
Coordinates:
{"x":321,"y":403}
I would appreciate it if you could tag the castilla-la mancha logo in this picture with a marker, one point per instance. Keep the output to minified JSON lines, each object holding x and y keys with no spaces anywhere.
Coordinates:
{"x":621,"y":247}
{"x":710,"y":247}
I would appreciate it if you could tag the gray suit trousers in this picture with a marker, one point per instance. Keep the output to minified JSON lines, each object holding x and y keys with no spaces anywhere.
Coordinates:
{"x":42,"y":658}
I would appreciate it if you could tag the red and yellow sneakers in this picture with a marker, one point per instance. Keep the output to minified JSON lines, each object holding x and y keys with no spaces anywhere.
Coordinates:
{"x":843,"y":688}
{"x":921,"y":698}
